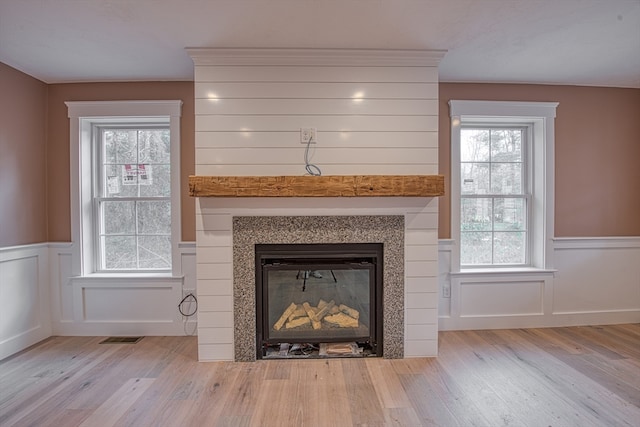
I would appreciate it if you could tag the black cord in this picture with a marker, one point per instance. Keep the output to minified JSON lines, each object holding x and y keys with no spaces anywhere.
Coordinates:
{"x":184,"y":300}
{"x":310,"y":167}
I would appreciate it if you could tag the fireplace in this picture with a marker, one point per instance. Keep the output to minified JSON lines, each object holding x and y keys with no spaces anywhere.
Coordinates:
{"x":387,"y":231}
{"x":319,"y":299}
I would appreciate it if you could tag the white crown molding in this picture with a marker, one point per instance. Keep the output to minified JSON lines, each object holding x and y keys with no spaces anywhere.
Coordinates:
{"x":316,"y":57}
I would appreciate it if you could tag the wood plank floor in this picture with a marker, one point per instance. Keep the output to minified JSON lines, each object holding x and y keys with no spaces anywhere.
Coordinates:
{"x":578,"y":376}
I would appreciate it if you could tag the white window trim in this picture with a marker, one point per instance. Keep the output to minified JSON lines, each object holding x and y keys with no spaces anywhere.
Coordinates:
{"x":540,"y":116}
{"x":82,"y":116}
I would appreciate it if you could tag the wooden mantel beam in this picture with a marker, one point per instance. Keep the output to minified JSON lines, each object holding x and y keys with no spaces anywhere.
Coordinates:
{"x":317,"y":186}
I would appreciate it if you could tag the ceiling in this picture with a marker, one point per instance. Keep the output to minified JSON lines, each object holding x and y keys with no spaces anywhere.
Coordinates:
{"x":574,"y":42}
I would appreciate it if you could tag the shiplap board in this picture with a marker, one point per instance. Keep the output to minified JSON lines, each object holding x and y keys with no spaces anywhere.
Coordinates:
{"x":391,"y":107}
{"x":213,"y":352}
{"x":322,"y":123}
{"x":421,"y":348}
{"x":337,"y":74}
{"x":421,"y":300}
{"x":214,"y":271}
{"x":216,"y":335}
{"x":306,"y":90}
{"x":420,"y":284}
{"x":215,"y":302}
{"x":298,"y":169}
{"x":421,"y":252}
{"x":325,"y":139}
{"x":215,"y":286}
{"x":217,"y":319}
{"x":324,"y":156}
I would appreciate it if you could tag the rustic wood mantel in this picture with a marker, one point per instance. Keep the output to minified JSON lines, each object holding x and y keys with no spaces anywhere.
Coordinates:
{"x":317,"y":186}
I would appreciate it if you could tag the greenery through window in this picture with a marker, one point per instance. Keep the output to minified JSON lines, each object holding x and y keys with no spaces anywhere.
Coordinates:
{"x":494,"y":196}
{"x":133,"y":198}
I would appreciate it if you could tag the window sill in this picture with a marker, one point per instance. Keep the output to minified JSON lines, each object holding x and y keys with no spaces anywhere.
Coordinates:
{"x":513,"y":271}
{"x":128,"y":276}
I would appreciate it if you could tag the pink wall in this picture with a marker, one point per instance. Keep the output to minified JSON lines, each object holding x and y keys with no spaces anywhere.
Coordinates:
{"x":23,"y":153}
{"x":597,"y":154}
{"x":58,"y":176}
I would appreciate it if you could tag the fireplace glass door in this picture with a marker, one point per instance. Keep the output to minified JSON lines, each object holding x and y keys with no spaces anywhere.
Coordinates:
{"x":318,"y":294}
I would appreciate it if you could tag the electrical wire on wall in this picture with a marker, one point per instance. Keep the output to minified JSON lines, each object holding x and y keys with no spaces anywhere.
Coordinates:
{"x":310,"y":167}
{"x":188,"y":307}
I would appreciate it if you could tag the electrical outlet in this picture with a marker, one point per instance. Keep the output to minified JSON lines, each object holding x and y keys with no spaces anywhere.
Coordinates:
{"x":307,"y":134}
{"x":446,"y":291}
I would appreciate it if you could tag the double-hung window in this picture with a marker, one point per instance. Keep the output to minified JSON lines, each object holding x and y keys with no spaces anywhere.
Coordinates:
{"x":125,"y":186}
{"x":502,"y":161}
{"x":132,"y":203}
{"x":494,"y":195}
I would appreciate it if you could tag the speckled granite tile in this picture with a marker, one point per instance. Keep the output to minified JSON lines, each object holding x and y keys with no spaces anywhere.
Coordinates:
{"x":251,"y":230}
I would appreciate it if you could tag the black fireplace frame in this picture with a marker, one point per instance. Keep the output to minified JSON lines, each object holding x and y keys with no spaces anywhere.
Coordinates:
{"x":304,"y":256}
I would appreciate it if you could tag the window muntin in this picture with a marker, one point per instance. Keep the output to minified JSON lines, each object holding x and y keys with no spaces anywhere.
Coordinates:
{"x":132,"y":202}
{"x":494,"y":196}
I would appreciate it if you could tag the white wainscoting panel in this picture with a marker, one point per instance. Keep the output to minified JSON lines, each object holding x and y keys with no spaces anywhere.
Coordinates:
{"x":25,"y":317}
{"x":105,"y":305}
{"x":597,"y":275}
{"x":594,"y":281}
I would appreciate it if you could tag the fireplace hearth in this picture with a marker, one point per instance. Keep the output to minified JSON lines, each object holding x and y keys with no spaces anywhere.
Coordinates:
{"x":309,"y":296}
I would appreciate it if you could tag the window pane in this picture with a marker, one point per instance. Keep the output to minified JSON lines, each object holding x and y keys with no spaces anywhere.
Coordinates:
{"x":509,"y":214}
{"x":153,"y":146}
{"x":109,"y":145}
{"x":156,"y":182}
{"x":506,"y":145}
{"x":154,"y":217}
{"x":118,"y":217}
{"x":476,"y":214}
{"x":475,"y":248}
{"x":126,"y":145}
{"x":509,"y":248}
{"x":474,"y":145}
{"x":475,"y":178}
{"x":155,"y":251}
{"x":506,"y":178}
{"x":119,"y":252}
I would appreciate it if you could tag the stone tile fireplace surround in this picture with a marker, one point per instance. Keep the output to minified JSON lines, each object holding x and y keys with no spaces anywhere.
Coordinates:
{"x":249,"y":231}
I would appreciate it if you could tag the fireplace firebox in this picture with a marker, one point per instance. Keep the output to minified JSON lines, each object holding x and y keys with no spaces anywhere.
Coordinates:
{"x":319,"y":299}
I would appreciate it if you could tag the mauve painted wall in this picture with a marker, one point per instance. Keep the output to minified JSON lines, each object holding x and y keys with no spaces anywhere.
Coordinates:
{"x":597,"y":154}
{"x":58,"y":175}
{"x":23,"y":153}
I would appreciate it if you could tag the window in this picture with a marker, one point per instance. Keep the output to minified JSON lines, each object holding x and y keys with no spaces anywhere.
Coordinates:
{"x":501,"y":184}
{"x":132,"y":199}
{"x":493,"y":196}
{"x":125,"y":186}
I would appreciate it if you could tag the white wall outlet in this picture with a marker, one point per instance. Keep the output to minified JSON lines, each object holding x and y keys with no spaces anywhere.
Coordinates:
{"x":446,"y":291}
{"x":308,"y":133}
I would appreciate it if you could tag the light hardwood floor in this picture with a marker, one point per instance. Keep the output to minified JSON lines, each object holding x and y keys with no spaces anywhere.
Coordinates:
{"x":579,"y":376}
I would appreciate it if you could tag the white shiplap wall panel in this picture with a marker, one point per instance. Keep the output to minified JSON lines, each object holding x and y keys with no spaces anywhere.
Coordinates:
{"x":338,"y":74}
{"x":326,"y":139}
{"x":306,"y":90}
{"x":375,"y":113}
